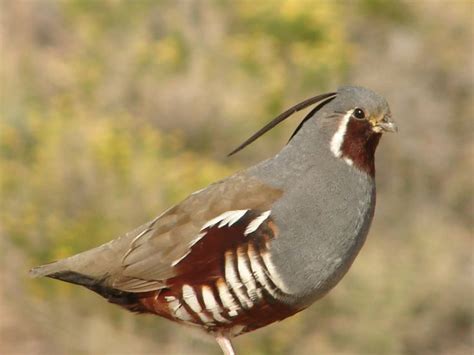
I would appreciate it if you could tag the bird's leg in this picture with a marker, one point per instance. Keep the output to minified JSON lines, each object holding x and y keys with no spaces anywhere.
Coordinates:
{"x":225,"y":344}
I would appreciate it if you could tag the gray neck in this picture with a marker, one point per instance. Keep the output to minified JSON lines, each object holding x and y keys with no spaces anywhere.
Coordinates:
{"x":306,"y":151}
{"x":323,"y":216}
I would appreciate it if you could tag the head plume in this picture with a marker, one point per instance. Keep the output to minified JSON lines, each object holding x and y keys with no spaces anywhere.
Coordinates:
{"x":322,"y":99}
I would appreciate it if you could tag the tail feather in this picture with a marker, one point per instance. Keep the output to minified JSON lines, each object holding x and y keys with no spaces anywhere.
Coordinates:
{"x":93,"y":269}
{"x":47,"y":269}
{"x":127,"y":300}
{"x":96,"y":263}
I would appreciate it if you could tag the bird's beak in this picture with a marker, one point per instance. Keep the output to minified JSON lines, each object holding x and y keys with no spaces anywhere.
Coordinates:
{"x":386,"y":124}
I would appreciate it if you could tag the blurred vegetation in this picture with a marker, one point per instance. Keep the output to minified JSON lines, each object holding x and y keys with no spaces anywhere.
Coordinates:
{"x":111,"y":111}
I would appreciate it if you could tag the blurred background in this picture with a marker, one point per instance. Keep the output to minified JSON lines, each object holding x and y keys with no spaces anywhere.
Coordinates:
{"x":111,"y":111}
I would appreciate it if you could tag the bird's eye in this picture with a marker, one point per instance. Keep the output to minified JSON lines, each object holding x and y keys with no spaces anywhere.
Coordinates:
{"x":359,"y":113}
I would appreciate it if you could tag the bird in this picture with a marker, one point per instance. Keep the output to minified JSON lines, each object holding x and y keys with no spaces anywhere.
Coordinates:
{"x":260,"y":245}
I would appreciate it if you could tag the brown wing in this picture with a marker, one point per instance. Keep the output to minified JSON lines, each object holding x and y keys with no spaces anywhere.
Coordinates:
{"x":148,"y":260}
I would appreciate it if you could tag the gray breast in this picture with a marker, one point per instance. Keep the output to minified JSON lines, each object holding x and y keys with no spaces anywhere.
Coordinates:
{"x":323,"y":219}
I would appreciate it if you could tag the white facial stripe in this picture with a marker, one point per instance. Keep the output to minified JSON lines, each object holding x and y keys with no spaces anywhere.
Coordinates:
{"x":233,"y":281}
{"x":253,"y":226}
{"x":211,"y":304}
{"x":338,"y":138}
{"x":189,"y":296}
{"x":246,"y":275}
{"x":226,"y":218}
{"x":226,"y":297}
{"x":273,"y":274}
{"x":259,"y":272}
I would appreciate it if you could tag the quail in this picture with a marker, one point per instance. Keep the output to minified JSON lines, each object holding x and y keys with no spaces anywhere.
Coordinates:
{"x":260,"y":245}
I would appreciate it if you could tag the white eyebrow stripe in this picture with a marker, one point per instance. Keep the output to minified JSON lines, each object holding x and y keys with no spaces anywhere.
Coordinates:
{"x":338,"y":138}
{"x":253,"y":226}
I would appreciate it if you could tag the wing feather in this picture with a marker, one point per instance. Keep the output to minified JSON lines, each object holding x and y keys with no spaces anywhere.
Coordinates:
{"x":148,"y":260}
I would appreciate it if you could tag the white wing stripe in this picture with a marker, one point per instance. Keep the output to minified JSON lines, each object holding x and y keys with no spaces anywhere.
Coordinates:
{"x":177,"y":261}
{"x":234,"y":217}
{"x":229,"y":217}
{"x":253,"y":226}
{"x":197,"y":239}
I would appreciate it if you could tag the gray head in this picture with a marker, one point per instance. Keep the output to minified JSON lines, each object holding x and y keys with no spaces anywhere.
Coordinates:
{"x":361,"y":105}
{"x":350,"y":122}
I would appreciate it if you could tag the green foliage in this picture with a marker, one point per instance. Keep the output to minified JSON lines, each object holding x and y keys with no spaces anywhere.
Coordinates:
{"x":290,"y":44}
{"x":73,"y":182}
{"x":387,"y":11}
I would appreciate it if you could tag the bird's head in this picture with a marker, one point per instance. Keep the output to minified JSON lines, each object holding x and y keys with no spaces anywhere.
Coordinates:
{"x":353,"y":123}
{"x":349,"y":121}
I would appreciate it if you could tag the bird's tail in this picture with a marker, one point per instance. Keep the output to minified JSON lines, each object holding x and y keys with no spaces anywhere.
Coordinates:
{"x":64,"y":271}
{"x":94,"y":264}
{"x":86,"y":269}
{"x":59,"y":270}
{"x":48,"y":269}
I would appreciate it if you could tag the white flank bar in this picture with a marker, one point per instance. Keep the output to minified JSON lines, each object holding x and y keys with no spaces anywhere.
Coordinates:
{"x":260,"y":273}
{"x":227,"y":299}
{"x":246,"y":275}
{"x":190,"y":297}
{"x":179,"y":311}
{"x":276,"y":279}
{"x":233,"y":281}
{"x":211,"y":304}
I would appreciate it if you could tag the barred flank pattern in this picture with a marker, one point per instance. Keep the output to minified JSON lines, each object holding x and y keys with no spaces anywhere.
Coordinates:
{"x":233,"y":288}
